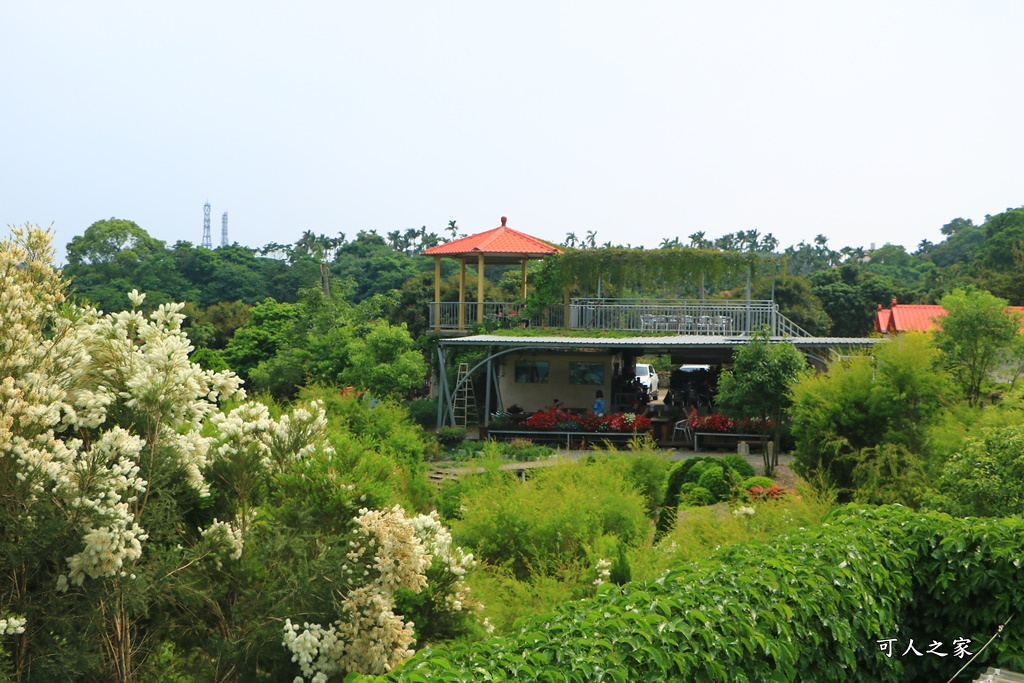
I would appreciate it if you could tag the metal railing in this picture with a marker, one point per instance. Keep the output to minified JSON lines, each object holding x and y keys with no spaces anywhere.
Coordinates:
{"x":720,"y":317}
{"x":699,"y":317}
{"x":496,"y":315}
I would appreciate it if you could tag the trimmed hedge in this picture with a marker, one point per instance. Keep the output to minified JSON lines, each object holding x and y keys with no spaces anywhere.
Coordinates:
{"x":808,"y":607}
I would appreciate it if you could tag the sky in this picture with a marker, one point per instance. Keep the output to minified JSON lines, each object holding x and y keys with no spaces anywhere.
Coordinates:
{"x":867,"y":121}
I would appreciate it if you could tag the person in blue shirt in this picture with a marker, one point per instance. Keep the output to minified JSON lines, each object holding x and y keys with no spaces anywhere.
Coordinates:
{"x":599,"y":404}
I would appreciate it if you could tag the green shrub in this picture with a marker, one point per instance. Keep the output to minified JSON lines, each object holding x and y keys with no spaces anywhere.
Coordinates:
{"x":713,"y":479}
{"x":553,"y":519}
{"x":209,"y":359}
{"x":524,"y":450}
{"x":763,"y":482}
{"x":699,"y":468}
{"x":676,"y":478}
{"x":450,"y":437}
{"x":620,"y":573}
{"x":739,"y":465}
{"x":986,"y":478}
{"x":812,"y":606}
{"x":648,"y":474}
{"x":698,"y":495}
{"x":423,"y":411}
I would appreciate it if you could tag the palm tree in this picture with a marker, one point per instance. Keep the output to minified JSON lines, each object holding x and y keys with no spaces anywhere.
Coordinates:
{"x":570,"y":240}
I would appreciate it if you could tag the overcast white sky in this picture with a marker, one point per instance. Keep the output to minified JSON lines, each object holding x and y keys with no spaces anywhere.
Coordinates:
{"x":866,"y":121}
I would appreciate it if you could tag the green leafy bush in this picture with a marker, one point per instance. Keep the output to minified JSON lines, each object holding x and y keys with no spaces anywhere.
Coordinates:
{"x":986,"y":477}
{"x":713,"y":479}
{"x":763,"y":482}
{"x":810,"y":607}
{"x":690,"y":471}
{"x":553,"y":519}
{"x":450,"y":437}
{"x":524,"y":450}
{"x":697,"y":495}
{"x":739,"y":465}
{"x":423,"y":411}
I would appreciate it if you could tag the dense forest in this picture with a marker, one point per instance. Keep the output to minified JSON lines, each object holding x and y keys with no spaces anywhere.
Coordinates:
{"x":277,"y":293}
{"x":212,"y":468}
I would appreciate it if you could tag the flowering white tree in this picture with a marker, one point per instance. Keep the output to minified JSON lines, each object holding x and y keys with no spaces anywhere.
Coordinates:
{"x":111,"y":444}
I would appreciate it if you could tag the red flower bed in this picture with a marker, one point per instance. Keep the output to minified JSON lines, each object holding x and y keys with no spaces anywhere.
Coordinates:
{"x":773,"y":492}
{"x":587,"y":422}
{"x":727,"y":425}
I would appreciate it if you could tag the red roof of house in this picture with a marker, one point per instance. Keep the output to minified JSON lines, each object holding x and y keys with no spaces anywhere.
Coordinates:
{"x":501,"y":241}
{"x":882,"y":320}
{"x":917,"y":317}
{"x":914,"y":317}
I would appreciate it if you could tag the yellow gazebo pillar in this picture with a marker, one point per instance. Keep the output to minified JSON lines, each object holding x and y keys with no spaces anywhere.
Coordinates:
{"x":523,"y":297}
{"x":479,"y":288}
{"x":565,"y":299}
{"x":437,"y":293}
{"x":462,"y":294}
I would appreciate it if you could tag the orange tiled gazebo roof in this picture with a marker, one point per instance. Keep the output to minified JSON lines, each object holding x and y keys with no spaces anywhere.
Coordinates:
{"x":502,"y":244}
{"x":498,"y":246}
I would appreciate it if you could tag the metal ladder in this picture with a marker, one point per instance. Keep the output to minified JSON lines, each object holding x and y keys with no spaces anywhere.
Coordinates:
{"x":465,"y":399}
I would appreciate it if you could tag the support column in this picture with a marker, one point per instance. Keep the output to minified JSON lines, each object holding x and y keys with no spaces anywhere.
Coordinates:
{"x":748,"y":300}
{"x":443,"y":406}
{"x":462,"y":295}
{"x":523,"y":296}
{"x":437,"y":293}
{"x":565,"y":299}
{"x":479,"y":289}
{"x":487,"y":388}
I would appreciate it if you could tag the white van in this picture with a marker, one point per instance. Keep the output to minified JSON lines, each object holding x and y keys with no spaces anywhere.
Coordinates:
{"x":648,"y":377}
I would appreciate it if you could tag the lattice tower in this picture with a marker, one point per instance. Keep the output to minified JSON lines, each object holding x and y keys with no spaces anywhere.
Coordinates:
{"x":207,"y":240}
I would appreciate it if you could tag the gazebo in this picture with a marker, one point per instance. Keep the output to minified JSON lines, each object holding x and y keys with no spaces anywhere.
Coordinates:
{"x":500,"y":246}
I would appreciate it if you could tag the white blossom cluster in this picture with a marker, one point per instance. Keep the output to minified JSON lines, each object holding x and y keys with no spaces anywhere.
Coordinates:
{"x":301,"y":432}
{"x":226,"y":536}
{"x":12,"y":626}
{"x":249,"y":431}
{"x":368,"y":637}
{"x":743,"y":511}
{"x":453,"y":561}
{"x":245,"y":430}
{"x":86,"y":398}
{"x":604,"y":572}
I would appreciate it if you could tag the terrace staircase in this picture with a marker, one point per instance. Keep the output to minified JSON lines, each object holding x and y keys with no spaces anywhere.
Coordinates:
{"x":465,"y":400}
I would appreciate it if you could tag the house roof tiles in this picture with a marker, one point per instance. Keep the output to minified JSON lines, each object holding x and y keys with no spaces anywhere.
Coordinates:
{"x":915,"y":317}
{"x":882,"y":320}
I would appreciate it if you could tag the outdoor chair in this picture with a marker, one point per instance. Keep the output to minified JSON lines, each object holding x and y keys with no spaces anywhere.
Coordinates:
{"x":647,"y":322}
{"x":683,"y":432}
{"x":685,"y":323}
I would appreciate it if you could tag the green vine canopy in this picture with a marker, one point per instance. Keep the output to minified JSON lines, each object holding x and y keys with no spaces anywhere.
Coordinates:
{"x":636,"y":272}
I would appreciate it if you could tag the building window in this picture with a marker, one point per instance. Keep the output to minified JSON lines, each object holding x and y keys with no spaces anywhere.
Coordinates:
{"x":532,"y":371}
{"x":586,"y":373}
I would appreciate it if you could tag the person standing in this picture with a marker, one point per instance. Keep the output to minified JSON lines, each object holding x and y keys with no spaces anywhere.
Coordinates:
{"x":599,"y":404}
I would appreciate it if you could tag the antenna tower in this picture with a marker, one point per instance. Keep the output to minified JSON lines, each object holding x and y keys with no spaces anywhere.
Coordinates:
{"x":207,"y":241}
{"x":224,"y":229}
